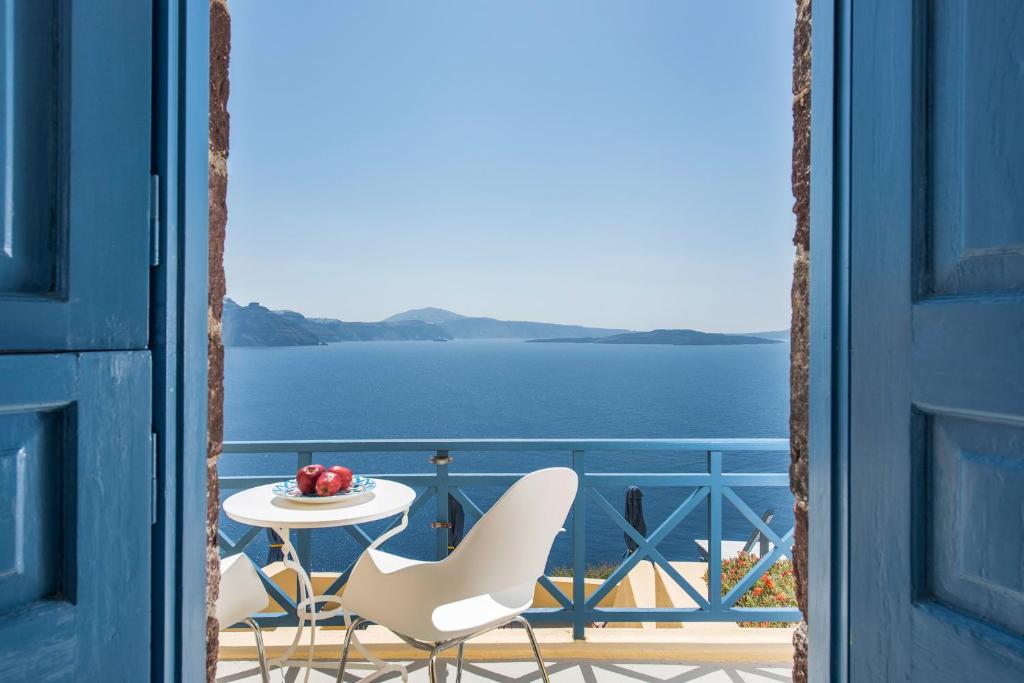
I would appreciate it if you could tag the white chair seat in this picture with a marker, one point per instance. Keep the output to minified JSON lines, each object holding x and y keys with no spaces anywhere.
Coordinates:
{"x":471,"y":615}
{"x":447,"y":620}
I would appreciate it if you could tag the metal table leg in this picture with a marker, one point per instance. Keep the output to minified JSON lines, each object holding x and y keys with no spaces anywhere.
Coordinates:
{"x":307,"y":609}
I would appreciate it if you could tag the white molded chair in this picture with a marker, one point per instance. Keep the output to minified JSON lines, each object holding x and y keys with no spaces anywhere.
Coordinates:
{"x":242,"y":595}
{"x":487,"y":582}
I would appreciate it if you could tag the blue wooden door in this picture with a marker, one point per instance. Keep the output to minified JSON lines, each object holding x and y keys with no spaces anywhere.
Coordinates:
{"x":75,"y":369}
{"x":937,"y":341}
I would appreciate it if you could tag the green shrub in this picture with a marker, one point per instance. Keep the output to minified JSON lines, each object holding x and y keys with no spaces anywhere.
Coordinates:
{"x":775,"y":588}
{"x":594,"y":571}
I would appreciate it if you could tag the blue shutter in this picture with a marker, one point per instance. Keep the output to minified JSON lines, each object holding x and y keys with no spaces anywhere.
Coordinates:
{"x":75,"y":371}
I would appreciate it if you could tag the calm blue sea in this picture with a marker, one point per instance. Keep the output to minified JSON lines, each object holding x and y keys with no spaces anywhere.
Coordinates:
{"x":460,"y":389}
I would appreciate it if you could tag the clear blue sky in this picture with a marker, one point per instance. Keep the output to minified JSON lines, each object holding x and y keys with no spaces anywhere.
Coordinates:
{"x":606,"y":163}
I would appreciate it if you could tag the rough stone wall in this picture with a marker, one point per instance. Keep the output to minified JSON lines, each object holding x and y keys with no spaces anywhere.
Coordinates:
{"x":220,"y":49}
{"x":798,"y":372}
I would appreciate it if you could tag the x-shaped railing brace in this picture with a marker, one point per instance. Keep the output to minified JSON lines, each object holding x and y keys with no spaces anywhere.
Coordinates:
{"x":646,"y":547}
{"x":783,"y":546}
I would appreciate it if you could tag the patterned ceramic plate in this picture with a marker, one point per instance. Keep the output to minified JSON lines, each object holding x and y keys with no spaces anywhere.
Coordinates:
{"x":289,"y":490}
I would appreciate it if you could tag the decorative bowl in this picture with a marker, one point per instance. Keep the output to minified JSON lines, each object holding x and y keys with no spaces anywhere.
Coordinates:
{"x":289,"y":490}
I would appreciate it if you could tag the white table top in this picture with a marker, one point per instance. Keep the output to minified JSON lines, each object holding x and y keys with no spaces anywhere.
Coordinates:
{"x":260,"y":507}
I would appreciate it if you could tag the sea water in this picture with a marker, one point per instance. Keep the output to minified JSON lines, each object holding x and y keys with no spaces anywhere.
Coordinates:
{"x":514,"y":389}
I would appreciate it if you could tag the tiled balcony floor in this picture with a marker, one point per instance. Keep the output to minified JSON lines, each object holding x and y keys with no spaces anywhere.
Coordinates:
{"x":523,"y":672}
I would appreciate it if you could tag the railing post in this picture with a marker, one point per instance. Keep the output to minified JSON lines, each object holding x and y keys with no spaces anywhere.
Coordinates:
{"x":303,"y":537}
{"x":441,"y":461}
{"x":715,"y":532}
{"x":579,"y":551}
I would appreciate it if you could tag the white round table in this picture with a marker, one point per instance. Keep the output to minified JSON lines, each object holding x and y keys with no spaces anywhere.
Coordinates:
{"x":260,"y":507}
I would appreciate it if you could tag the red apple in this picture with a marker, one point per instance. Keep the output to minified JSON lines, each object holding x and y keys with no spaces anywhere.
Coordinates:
{"x":328,"y":484}
{"x":345,"y":474}
{"x":307,"y":476}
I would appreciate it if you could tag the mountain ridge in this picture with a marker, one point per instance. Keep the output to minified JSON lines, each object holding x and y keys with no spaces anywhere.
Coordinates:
{"x":428,"y":314}
{"x":480,"y":327}
{"x":682,"y":337}
{"x":257,"y":325}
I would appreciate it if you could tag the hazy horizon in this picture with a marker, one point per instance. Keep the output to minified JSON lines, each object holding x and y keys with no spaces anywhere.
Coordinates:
{"x":592,"y":163}
{"x":314,"y":314}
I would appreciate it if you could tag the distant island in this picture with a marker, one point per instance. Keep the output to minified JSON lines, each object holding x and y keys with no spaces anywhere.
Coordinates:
{"x":781,"y":335}
{"x":668,"y":337}
{"x":466,"y":327}
{"x":256,"y":325}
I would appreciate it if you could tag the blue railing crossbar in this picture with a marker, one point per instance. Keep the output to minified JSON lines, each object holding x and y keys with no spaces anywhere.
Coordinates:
{"x":576,"y":609}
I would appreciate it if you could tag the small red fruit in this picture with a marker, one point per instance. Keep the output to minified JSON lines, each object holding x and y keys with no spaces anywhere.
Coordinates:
{"x":306,"y":478}
{"x":345,"y":474}
{"x":328,"y":484}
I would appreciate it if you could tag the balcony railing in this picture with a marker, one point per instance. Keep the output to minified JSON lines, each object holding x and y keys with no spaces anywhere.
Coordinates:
{"x":578,"y":609}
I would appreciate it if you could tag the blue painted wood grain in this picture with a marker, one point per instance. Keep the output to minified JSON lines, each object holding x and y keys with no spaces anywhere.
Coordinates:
{"x":81,"y":166}
{"x":936,"y":320}
{"x":190,"y":387}
{"x":92,"y":623}
{"x":31,"y":214}
{"x":165,"y":339}
{"x":828,"y":405}
{"x":78,"y":133}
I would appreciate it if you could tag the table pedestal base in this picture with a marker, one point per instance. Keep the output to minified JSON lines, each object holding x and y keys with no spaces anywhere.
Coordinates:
{"x":308,"y":610}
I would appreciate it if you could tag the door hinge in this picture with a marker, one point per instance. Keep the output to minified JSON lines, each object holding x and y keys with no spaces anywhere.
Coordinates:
{"x":154,"y":220}
{"x":154,"y":488}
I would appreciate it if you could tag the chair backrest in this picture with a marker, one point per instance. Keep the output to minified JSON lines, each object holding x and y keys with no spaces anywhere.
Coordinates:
{"x":242,"y":593}
{"x":508,"y":548}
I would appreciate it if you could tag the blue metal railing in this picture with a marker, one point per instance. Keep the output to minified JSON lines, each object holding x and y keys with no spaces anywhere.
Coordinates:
{"x":579,"y":609}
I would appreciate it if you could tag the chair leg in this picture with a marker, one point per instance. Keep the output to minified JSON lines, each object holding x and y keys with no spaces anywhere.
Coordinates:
{"x":458,"y":669}
{"x":344,"y":650}
{"x":260,"y":651}
{"x":432,"y":664}
{"x":536,"y":648}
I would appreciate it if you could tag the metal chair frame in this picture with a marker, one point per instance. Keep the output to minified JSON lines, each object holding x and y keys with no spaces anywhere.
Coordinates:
{"x":260,"y":651}
{"x":436,"y":649}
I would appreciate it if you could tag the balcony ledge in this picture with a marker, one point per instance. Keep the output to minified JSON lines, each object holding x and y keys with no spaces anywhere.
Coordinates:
{"x":695,"y":642}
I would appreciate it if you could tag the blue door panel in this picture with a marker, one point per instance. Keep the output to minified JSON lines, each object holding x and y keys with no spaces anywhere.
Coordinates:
{"x":937,"y":341}
{"x":967,"y":353}
{"x":29,"y":173}
{"x":75,"y":471}
{"x":75,"y":101}
{"x":974,"y":141}
{"x":34,"y":469}
{"x":975,"y":473}
{"x":75,"y":370}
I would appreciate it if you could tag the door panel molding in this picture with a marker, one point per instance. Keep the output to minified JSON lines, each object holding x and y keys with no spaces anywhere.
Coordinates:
{"x":76,"y":194}
{"x":79,"y":423}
